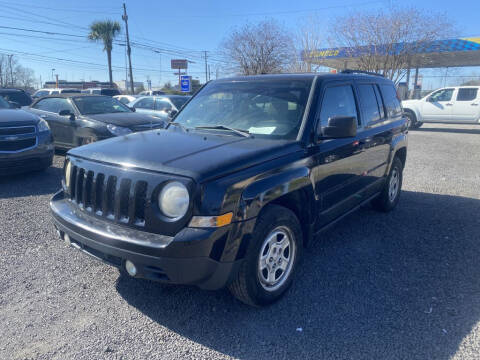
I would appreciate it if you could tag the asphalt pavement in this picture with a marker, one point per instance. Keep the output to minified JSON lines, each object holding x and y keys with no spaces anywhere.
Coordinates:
{"x":402,"y":285}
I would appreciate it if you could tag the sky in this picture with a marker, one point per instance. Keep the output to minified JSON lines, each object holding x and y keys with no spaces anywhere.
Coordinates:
{"x":163,"y":30}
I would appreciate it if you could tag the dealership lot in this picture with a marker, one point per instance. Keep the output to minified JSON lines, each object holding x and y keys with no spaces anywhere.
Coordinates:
{"x":376,"y":286}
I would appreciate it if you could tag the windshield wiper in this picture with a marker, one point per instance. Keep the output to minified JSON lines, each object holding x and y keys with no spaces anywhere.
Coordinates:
{"x":177,"y":124}
{"x":243,"y":133}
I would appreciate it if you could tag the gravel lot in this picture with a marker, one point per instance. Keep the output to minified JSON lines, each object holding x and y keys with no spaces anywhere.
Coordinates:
{"x":403,"y":285}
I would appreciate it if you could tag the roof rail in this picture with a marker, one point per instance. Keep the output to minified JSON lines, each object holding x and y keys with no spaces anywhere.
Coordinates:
{"x":351,"y":71}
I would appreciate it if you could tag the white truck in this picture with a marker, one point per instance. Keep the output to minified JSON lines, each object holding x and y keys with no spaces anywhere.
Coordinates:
{"x":452,"y":105}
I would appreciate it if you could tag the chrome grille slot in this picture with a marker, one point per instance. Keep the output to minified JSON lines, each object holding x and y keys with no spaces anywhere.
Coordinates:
{"x":87,"y":190}
{"x":109,"y":197}
{"x":79,"y":186}
{"x":17,"y":130}
{"x":123,"y":198}
{"x":137,"y":215}
{"x":73,"y":182}
{"x":99,"y":186}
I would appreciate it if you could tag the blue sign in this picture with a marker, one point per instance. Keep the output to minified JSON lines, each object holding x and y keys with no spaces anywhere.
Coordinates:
{"x":185,"y":83}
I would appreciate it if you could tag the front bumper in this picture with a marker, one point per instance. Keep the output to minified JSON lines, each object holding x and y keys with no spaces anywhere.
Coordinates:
{"x":193,"y":256}
{"x":36,"y":158}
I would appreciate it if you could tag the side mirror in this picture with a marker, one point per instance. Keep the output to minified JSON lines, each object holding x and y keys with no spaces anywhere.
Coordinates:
{"x":67,"y":113}
{"x":340,"y":127}
{"x":132,"y":108}
{"x":14,"y":104}
{"x":172,"y":114}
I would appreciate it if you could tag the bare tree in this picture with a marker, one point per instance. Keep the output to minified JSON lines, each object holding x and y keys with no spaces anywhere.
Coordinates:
{"x":386,"y":41}
{"x":262,"y":48}
{"x":308,"y":39}
{"x":13,"y":74}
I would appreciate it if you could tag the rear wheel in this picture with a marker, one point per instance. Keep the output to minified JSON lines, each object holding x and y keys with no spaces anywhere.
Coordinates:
{"x":390,"y":194}
{"x":271,"y":259}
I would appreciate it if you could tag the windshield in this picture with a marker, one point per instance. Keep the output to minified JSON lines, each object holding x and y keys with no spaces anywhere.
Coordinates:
{"x":268,"y":108}
{"x":89,"y":105}
{"x":3,"y":103}
{"x":179,"y":101}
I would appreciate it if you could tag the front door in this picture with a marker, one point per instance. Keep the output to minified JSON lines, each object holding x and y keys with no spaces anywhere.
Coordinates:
{"x":437,"y":107}
{"x":338,"y":166}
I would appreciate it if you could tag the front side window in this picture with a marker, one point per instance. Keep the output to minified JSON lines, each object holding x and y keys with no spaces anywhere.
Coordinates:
{"x":163,"y":105}
{"x":392,"y":103}
{"x":179,"y":101}
{"x":267,"y":108}
{"x":338,"y":101}
{"x":54,"y":105}
{"x":467,"y":94}
{"x":441,"y":95}
{"x":145,"y":103}
{"x":90,"y":105}
{"x":41,"y":93}
{"x":369,"y":102}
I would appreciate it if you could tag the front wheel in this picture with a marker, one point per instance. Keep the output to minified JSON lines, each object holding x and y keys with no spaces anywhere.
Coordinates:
{"x":413,"y":123}
{"x":390,"y":194}
{"x":271,"y":259}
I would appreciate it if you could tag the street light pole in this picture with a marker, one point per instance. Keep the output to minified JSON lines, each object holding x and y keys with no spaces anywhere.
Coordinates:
{"x":129,"y":50}
{"x":52,"y":73}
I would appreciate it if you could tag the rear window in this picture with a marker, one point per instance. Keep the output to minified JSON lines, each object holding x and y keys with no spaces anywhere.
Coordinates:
{"x":18,"y":97}
{"x":390,"y":99}
{"x":467,"y":94}
{"x":110,"y":92}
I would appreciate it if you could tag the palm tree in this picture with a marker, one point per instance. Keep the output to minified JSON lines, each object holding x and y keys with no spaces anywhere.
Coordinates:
{"x":106,"y":31}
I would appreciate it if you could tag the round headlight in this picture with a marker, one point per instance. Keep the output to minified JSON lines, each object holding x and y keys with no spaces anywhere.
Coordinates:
{"x":118,"y":130}
{"x":173,"y":200}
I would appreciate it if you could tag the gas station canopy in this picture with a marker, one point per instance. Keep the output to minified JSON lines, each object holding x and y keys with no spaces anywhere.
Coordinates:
{"x":433,"y":54}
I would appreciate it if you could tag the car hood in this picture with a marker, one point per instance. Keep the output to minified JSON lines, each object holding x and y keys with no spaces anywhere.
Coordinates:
{"x":125,"y":119}
{"x":16,"y":117}
{"x":409,"y":103}
{"x":196,"y":154}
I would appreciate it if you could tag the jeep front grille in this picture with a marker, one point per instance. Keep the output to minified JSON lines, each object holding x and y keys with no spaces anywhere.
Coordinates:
{"x":110,"y":196}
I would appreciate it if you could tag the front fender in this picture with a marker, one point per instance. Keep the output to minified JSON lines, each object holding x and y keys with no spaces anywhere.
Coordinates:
{"x":263,"y":191}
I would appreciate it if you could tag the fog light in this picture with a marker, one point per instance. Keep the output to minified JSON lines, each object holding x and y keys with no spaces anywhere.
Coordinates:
{"x":67,"y":240}
{"x":130,"y":267}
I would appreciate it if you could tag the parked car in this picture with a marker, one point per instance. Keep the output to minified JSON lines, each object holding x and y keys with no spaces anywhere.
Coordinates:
{"x":162,"y":106}
{"x":151,"y":93}
{"x":78,"y":119}
{"x":453,"y":105}
{"x":101,"y":91}
{"x":249,"y":171}
{"x":26,"y":143}
{"x":125,"y":99}
{"x":46,"y":92}
{"x":16,"y":97}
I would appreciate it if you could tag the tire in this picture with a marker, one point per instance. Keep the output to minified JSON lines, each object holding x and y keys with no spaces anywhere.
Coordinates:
{"x":412,"y":120}
{"x":390,"y":195}
{"x":263,"y":281}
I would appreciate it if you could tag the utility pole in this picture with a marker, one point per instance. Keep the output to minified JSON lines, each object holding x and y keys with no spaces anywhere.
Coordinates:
{"x":206,"y":67}
{"x":129,"y":50}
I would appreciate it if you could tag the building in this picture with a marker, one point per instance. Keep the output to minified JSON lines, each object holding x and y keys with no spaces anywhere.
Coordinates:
{"x":63,"y":84}
{"x":122,"y":87}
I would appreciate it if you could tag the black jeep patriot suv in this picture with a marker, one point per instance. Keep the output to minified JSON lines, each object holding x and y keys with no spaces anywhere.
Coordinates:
{"x":231,"y":192}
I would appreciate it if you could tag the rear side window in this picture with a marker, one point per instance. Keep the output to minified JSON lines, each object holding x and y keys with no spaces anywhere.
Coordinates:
{"x":467,"y":94}
{"x":337,"y":101}
{"x":368,"y":99}
{"x":110,"y":92}
{"x":163,"y":105}
{"x":392,"y":104}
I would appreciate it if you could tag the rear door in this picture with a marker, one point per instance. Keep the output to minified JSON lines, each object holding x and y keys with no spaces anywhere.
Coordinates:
{"x":466,"y":108}
{"x":375,"y":135}
{"x":437,"y":107}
